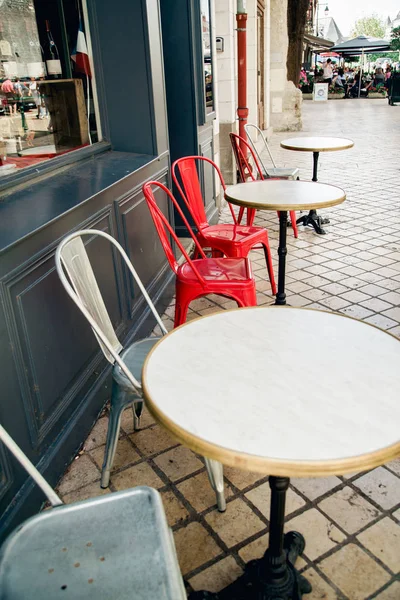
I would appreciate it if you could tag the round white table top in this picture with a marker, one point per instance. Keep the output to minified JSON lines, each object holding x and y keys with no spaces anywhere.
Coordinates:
{"x":284,"y":194}
{"x":317,"y":144}
{"x":232,"y":387}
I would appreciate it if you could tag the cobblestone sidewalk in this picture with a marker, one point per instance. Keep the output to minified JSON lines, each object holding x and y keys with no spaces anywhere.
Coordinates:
{"x":351,"y":523}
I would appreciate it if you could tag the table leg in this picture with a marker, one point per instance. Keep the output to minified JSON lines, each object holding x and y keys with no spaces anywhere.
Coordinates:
{"x":282,"y":251}
{"x":274,"y":576}
{"x":313,"y":218}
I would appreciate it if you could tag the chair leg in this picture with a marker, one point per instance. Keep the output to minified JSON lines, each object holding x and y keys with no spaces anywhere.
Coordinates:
{"x":294,"y":224}
{"x":137,"y":409}
{"x":215,"y":472}
{"x":270,"y":267}
{"x":181,"y":309}
{"x":251,"y":213}
{"x":121,"y":398}
{"x":240,"y":215}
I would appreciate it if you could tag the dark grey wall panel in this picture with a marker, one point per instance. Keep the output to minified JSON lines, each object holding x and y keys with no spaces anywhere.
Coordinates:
{"x":120,"y":39}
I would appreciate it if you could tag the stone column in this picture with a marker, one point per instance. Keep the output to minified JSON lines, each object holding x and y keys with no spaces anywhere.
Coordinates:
{"x":251,"y":7}
{"x":225,"y":24}
{"x":285,"y":98}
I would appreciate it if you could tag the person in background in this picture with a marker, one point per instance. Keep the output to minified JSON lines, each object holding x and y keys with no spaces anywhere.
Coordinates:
{"x":379,"y":77}
{"x":7,"y":88}
{"x":34,"y":92}
{"x":328,"y":71}
{"x":387,"y":75}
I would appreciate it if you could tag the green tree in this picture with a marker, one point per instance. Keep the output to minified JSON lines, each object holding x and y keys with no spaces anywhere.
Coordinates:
{"x":395,"y":39}
{"x":372,"y":26}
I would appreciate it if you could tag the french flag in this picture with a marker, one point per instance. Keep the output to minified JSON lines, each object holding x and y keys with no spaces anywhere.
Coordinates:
{"x":80,"y":54}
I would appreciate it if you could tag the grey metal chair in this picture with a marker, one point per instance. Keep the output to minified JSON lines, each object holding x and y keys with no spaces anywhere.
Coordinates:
{"x":282,"y":173}
{"x":71,"y":258}
{"x":115,"y":546}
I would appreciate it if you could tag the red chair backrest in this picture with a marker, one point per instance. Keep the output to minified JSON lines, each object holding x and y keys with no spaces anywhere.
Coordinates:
{"x":164,"y":227}
{"x":242,"y":162}
{"x":191,"y":192}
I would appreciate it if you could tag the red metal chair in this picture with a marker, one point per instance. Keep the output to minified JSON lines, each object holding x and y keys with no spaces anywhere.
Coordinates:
{"x":232,"y":240}
{"x":246,"y":172}
{"x":229,"y":277}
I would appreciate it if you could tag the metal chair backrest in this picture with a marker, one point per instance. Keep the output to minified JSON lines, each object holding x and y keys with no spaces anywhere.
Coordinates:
{"x":186,"y":167}
{"x":242,"y":162}
{"x":29,"y":467}
{"x":71,"y":258}
{"x":260,"y":133}
{"x":164,"y":228}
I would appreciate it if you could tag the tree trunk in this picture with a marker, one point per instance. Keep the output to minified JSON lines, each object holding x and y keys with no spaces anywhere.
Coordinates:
{"x":296,"y":21}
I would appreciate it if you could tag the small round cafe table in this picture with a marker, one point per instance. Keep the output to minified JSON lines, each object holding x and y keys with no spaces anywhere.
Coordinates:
{"x":316,"y":144}
{"x":284,"y":195}
{"x":226,"y":386}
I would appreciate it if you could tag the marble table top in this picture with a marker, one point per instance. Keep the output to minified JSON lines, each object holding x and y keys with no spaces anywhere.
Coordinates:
{"x":284,"y":194}
{"x":317,"y":144}
{"x":232,"y":387}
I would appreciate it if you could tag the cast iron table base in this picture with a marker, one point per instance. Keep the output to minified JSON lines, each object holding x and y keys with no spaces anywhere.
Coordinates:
{"x":272,"y":577}
{"x":280,"y":299}
{"x":313,"y":218}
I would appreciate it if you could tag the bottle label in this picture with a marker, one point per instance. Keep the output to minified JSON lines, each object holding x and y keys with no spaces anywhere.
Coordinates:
{"x":53,"y":67}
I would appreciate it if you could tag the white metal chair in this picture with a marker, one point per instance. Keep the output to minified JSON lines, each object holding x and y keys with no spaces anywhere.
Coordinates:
{"x":115,"y":546}
{"x":282,"y":173}
{"x":71,"y":258}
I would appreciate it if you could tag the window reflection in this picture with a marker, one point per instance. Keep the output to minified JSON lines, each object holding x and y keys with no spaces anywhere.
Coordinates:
{"x":207,"y":55}
{"x":46,"y":95}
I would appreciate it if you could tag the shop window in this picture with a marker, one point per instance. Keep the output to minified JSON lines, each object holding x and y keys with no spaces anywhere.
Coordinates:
{"x":207,"y":55}
{"x":47,"y":96}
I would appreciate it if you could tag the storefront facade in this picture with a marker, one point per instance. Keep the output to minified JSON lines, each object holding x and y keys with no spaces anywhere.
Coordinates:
{"x":85,"y":172}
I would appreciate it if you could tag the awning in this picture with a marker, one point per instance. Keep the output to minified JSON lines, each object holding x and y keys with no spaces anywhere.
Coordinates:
{"x":318,"y":44}
{"x":362,"y":43}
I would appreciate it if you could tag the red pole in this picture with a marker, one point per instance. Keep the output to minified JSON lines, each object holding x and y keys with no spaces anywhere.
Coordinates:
{"x":242,"y":110}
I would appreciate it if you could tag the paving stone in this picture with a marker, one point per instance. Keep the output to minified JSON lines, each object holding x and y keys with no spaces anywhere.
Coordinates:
{"x":383,"y":540}
{"x":236,"y":524}
{"x":218,"y":576}
{"x":146,"y":419}
{"x":194,"y":547}
{"x":153,"y":440}
{"x":98,"y":435}
{"x":81,"y":472}
{"x":381,"y":486}
{"x":178,"y":462}
{"x":141,"y":474}
{"x":242,"y":479}
{"x":261,"y":498}
{"x":354,"y":572}
{"x":349,"y":510}
{"x":321,"y":590}
{"x":92,"y":490}
{"x":381,"y":321}
{"x":320,"y":533}
{"x":174,"y":509}
{"x":124,"y":455}
{"x":315,"y":487}
{"x":394,"y":466}
{"x":390,"y":593}
{"x":199,"y":493}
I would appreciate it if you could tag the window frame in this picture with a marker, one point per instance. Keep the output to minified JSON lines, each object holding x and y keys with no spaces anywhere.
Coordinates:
{"x":30,"y":174}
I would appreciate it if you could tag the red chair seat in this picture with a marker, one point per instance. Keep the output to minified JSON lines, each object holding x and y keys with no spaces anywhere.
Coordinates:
{"x":228,"y":277}
{"x":218,"y":270}
{"x":234,"y":234}
{"x":230,"y":239}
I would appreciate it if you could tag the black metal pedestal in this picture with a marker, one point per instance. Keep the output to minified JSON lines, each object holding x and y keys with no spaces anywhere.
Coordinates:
{"x":282,"y":252}
{"x":313,"y":218}
{"x":273,"y":577}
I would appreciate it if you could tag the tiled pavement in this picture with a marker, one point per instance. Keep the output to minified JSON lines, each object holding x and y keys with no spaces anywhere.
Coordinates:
{"x":351,"y":523}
